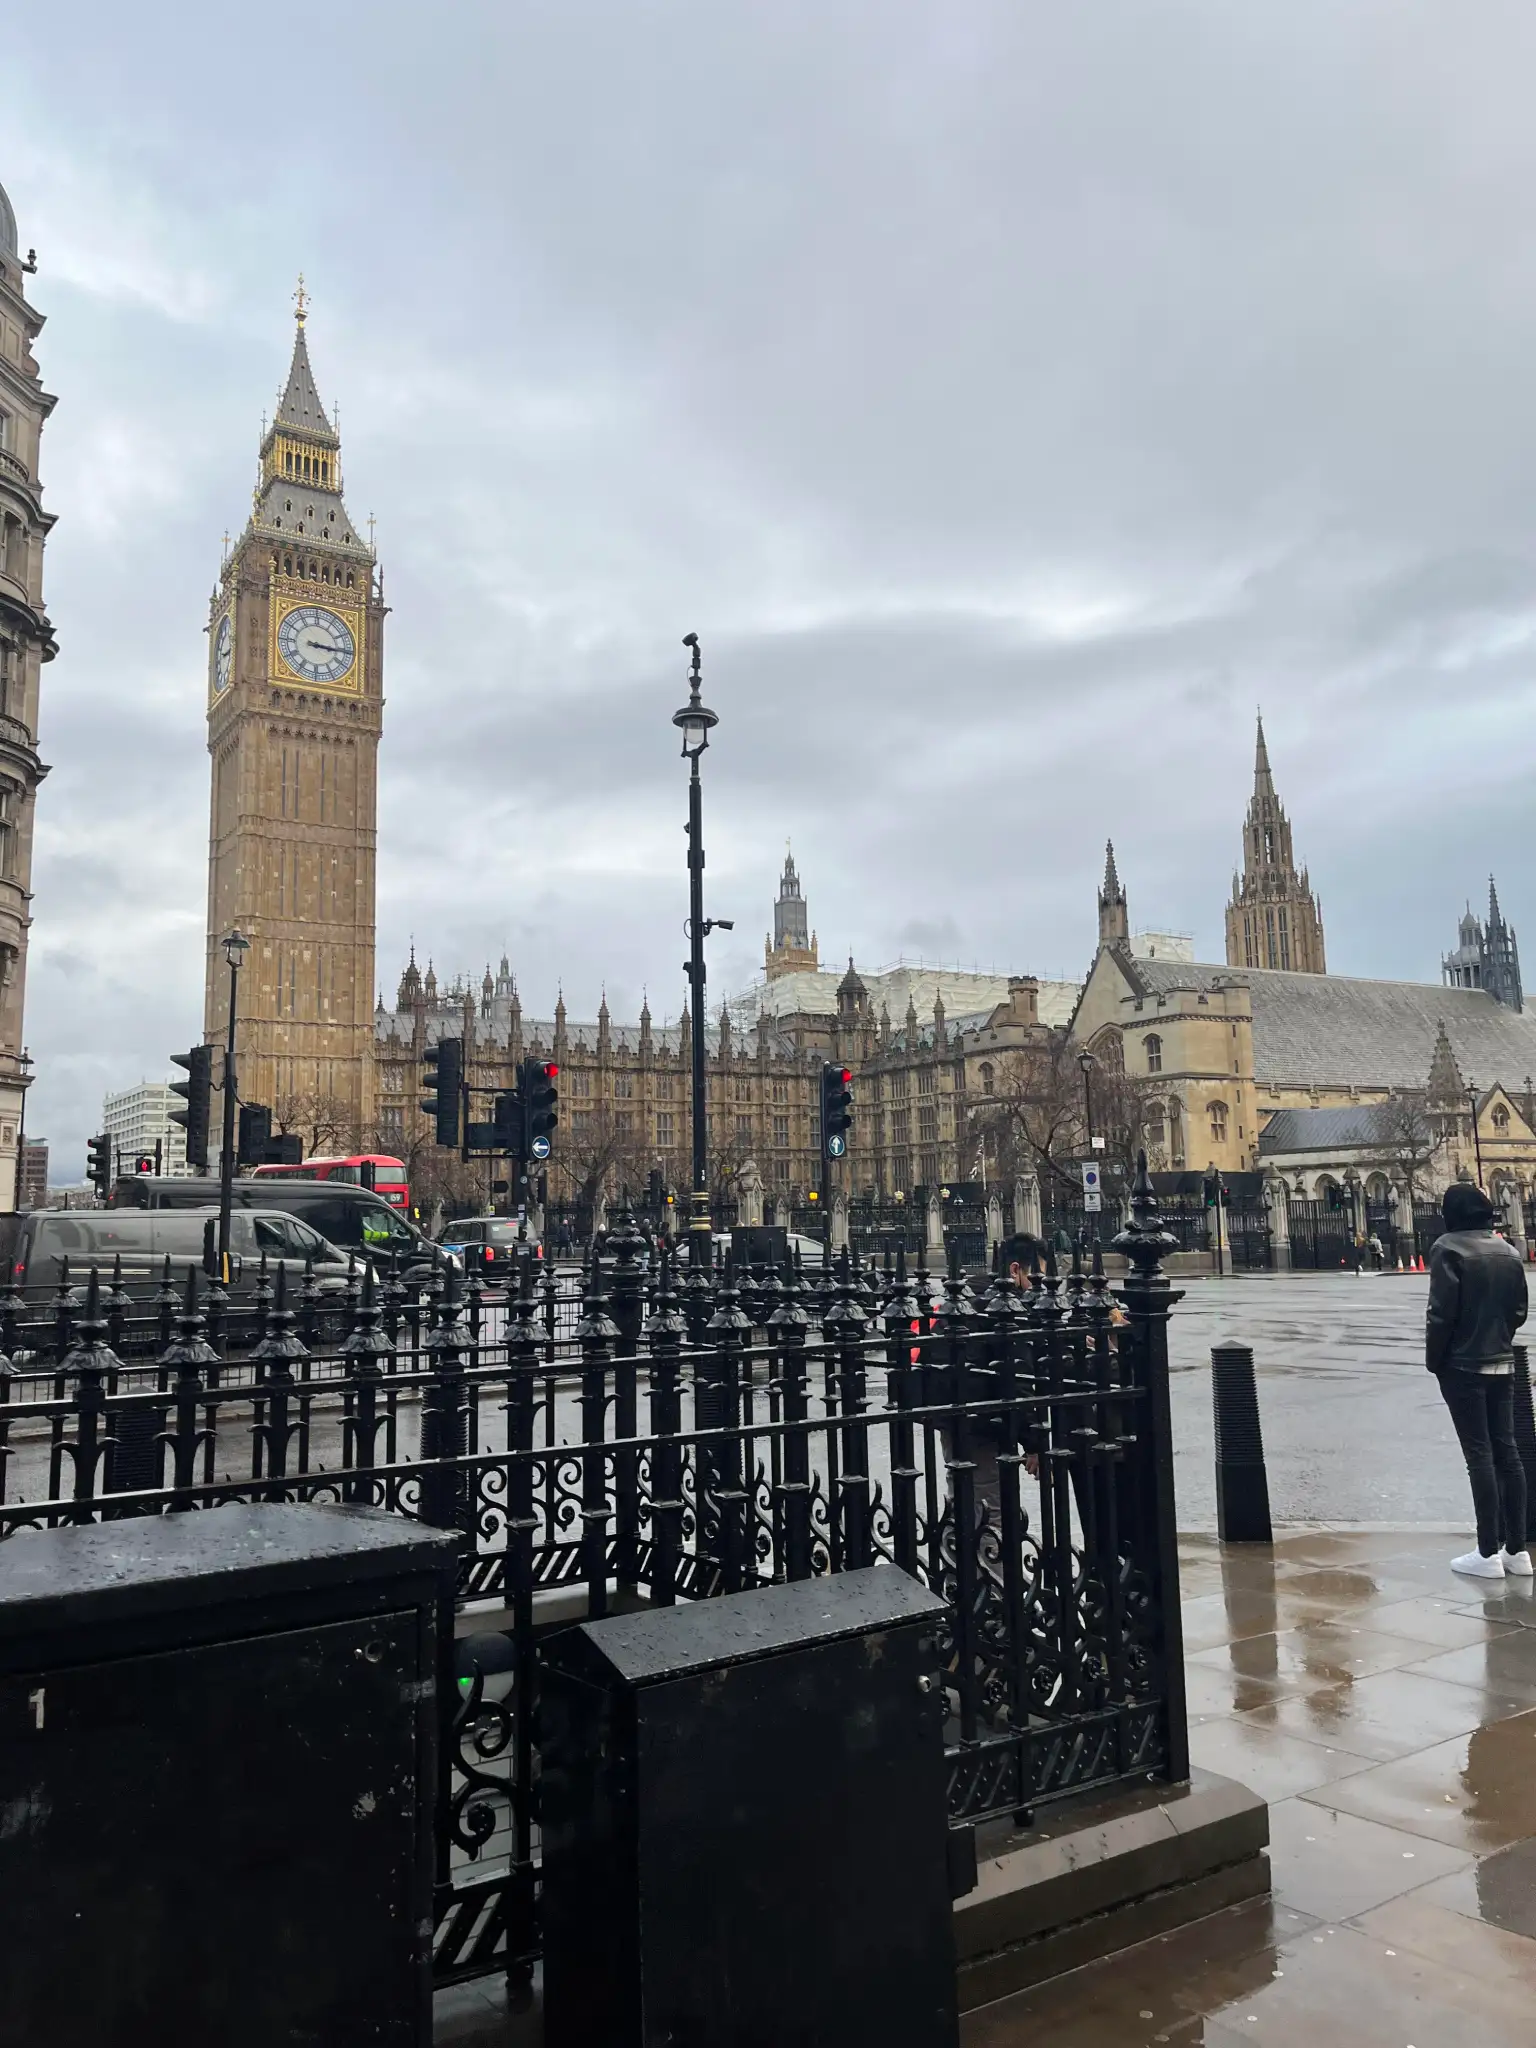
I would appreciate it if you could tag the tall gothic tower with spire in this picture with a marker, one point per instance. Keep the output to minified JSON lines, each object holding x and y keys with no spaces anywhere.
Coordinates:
{"x":1273,"y":919}
{"x":295,"y":707}
{"x":1114,"y":912}
{"x":793,"y":947}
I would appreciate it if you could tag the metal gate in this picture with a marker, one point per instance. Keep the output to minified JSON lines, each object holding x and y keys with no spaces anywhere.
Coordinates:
{"x":1321,"y":1237}
{"x":1245,"y":1226}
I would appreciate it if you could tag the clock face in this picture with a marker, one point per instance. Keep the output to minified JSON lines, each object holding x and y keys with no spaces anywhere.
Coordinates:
{"x":223,"y":654}
{"x":316,"y":644}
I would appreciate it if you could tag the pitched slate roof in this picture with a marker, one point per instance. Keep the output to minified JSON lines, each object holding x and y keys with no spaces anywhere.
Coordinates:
{"x":1329,"y":1031}
{"x":1361,"y":1126}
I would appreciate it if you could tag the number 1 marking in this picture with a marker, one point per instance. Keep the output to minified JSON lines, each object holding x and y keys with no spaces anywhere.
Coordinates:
{"x":36,"y":1699}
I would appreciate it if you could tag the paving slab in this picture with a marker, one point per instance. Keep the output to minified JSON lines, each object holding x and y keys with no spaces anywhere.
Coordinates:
{"x":1476,"y":1792}
{"x":1334,"y":1865}
{"x":1274,"y":1765}
{"x":1390,"y":1714}
{"x":1314,"y":1653}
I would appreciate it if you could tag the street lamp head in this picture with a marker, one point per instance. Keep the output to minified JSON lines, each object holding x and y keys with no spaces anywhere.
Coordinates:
{"x":1086,"y":1061}
{"x":236,"y":945}
{"x":695,"y":719}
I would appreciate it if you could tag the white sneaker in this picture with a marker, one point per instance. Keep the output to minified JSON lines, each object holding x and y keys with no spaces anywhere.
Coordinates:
{"x":1517,"y":1564}
{"x":1475,"y":1566}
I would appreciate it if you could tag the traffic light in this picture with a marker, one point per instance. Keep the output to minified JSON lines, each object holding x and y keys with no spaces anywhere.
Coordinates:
{"x":197,"y":1092}
{"x":836,"y":1110}
{"x":541,"y":1106}
{"x":1209,"y":1188}
{"x":255,"y":1134}
{"x":444,"y":1081}
{"x":144,"y":1163}
{"x":507,"y":1122}
{"x":98,"y":1169}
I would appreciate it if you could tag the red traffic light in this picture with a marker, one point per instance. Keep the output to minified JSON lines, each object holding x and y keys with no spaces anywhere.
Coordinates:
{"x":550,"y":1070}
{"x":845,"y":1075}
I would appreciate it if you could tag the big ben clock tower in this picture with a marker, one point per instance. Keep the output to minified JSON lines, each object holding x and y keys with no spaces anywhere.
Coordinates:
{"x":295,"y":708}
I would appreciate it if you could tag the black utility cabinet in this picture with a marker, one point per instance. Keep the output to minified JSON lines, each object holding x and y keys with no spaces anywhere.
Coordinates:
{"x":217,"y":1757}
{"x":744,"y":1823}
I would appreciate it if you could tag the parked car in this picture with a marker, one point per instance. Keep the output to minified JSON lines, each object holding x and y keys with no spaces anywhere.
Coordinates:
{"x":350,"y":1217}
{"x":38,"y":1242}
{"x":811,"y":1249}
{"x":490,"y":1240}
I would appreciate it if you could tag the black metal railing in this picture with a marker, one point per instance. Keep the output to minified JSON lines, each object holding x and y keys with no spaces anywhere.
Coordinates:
{"x":657,"y":1434}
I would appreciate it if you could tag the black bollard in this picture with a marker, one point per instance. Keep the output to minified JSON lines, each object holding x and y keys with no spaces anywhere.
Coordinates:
{"x":1242,"y":1486}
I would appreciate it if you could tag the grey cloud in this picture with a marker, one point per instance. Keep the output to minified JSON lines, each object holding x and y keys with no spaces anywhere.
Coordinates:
{"x":1011,"y":396}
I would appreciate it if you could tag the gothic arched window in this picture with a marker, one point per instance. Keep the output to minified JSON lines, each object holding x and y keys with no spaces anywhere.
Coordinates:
{"x":1153,"y":1048}
{"x":1217,"y":1111}
{"x":987,"y":1078}
{"x":1500,"y":1117}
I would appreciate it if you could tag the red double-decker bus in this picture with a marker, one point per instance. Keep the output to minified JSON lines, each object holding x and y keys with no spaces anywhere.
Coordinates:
{"x":386,"y":1176}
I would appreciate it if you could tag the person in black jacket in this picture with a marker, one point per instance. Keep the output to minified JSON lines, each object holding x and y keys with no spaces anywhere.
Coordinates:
{"x":1477,"y":1301}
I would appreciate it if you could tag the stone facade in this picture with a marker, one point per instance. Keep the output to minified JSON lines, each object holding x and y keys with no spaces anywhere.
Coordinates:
{"x":625,"y":1088}
{"x":918,"y":1084}
{"x":1273,"y":919}
{"x":295,"y":709}
{"x":1259,"y":1068}
{"x":26,"y":643}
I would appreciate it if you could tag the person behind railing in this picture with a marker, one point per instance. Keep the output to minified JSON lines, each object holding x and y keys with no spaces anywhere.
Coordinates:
{"x":1024,"y":1257}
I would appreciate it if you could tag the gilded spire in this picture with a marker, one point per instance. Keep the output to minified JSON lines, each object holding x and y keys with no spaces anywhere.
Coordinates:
{"x":300,"y":404}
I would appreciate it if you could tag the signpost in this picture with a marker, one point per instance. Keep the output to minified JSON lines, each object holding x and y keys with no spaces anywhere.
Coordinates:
{"x":1093,"y":1193}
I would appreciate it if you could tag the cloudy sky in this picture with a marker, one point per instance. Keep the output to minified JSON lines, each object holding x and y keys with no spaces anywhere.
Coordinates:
{"x":1012,"y":396}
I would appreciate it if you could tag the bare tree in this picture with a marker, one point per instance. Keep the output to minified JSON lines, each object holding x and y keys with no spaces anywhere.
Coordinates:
{"x":1036,"y":1119}
{"x":323,"y":1123}
{"x":1410,"y":1141}
{"x":439,"y":1177}
{"x":601,"y":1152}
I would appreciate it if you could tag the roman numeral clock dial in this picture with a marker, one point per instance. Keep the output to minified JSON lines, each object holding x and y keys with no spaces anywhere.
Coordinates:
{"x":316,"y":644}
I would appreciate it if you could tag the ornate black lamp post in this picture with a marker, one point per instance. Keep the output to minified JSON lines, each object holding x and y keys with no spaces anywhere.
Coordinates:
{"x":1087,"y":1062}
{"x":695,"y":722}
{"x":236,"y":946}
{"x":1477,"y":1143}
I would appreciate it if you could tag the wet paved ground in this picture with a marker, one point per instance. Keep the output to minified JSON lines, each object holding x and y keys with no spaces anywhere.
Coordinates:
{"x":1354,"y":1427}
{"x":1387,"y":1710}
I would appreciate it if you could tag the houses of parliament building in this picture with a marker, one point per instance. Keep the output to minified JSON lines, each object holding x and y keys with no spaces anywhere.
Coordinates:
{"x":1217,"y":1052}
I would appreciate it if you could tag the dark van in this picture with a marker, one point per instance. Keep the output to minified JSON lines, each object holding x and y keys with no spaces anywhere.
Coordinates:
{"x":350,"y":1217}
{"x":39,"y":1242}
